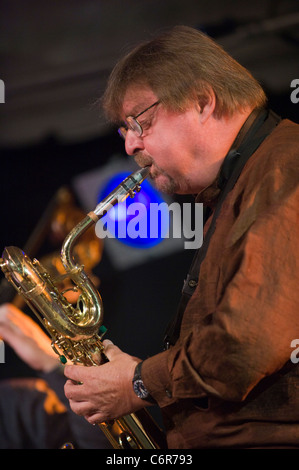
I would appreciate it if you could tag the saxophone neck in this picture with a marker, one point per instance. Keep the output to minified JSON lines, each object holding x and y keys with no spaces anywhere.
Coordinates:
{"x":128,"y":187}
{"x":70,"y":241}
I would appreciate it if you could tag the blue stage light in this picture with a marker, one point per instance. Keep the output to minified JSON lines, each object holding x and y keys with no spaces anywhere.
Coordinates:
{"x":136,"y":221}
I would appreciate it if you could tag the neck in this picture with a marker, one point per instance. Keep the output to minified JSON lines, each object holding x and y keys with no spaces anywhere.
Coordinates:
{"x":217,"y":137}
{"x":226,"y":131}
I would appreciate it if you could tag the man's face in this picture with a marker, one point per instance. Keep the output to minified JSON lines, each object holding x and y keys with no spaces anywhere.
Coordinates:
{"x":173,"y":144}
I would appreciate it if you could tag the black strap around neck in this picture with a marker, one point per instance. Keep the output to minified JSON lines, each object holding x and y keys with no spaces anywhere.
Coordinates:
{"x":256,"y":128}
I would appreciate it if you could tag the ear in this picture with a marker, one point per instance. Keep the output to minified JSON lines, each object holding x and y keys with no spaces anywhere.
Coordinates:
{"x":207,"y":105}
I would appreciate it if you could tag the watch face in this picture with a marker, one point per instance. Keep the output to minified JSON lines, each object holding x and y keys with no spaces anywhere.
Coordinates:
{"x":140,"y":389}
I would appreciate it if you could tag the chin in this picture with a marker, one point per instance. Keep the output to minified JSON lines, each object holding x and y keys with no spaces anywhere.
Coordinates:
{"x":165,"y":184}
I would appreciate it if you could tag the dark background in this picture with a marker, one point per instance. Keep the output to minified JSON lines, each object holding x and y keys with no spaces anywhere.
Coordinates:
{"x":54,"y":59}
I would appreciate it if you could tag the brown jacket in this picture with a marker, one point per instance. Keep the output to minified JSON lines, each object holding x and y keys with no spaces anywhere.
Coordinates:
{"x":229,"y":381}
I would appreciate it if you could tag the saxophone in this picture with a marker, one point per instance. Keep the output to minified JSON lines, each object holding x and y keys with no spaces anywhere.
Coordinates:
{"x":77,"y":331}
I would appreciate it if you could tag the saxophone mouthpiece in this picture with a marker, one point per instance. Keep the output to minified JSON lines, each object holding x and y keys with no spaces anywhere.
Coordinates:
{"x":145,"y":171}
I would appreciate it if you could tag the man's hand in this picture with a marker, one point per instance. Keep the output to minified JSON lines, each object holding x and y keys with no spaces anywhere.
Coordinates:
{"x":103,"y":392}
{"x":27,"y":339}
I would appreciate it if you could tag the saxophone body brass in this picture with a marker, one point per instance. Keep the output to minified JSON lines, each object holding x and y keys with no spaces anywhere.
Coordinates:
{"x":77,"y":331}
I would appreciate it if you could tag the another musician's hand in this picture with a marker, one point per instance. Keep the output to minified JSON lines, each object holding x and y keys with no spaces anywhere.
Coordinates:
{"x":104,"y":392}
{"x":26,"y":338}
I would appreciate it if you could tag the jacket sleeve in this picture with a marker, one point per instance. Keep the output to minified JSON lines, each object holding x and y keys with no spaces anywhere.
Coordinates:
{"x":248,"y":335}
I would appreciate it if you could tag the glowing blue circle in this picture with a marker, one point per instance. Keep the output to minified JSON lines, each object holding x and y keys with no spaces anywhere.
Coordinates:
{"x":137,"y":228}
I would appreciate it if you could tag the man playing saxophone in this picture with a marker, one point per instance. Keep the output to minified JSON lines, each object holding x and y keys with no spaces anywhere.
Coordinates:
{"x":199,"y":121}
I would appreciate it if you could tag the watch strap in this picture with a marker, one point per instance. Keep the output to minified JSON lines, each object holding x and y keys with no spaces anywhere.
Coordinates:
{"x":138,"y":385}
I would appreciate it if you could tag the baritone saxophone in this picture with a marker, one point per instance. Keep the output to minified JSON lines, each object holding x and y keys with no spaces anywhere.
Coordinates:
{"x":76,"y":331}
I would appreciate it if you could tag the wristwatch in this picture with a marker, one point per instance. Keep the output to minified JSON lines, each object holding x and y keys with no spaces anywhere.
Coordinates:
{"x":139,"y":387}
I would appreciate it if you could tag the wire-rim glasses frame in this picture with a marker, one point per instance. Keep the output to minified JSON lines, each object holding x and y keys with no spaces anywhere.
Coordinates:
{"x":133,"y":124}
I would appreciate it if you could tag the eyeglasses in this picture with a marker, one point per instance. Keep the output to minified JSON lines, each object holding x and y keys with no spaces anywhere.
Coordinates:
{"x":133,"y":124}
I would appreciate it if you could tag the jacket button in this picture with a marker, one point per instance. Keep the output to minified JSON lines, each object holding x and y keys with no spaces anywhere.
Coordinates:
{"x":192,"y":283}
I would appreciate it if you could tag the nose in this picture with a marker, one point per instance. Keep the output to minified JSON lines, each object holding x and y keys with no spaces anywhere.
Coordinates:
{"x":133,"y":143}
